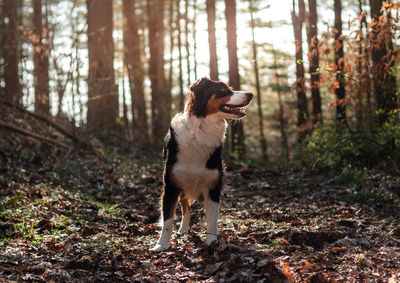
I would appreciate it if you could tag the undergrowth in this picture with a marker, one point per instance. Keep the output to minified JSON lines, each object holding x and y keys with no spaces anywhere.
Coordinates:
{"x":340,"y":147}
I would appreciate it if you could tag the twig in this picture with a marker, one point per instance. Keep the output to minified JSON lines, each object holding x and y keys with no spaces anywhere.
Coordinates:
{"x":33,"y":135}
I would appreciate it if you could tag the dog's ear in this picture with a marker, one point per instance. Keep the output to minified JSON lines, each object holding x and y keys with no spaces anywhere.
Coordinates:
{"x":199,"y":85}
{"x":197,"y":97}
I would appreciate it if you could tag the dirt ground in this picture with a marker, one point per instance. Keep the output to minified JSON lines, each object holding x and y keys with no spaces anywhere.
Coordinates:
{"x":75,"y":217}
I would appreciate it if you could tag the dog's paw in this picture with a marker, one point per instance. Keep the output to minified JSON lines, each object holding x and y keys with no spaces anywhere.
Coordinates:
{"x":159,"y":248}
{"x":210,"y":239}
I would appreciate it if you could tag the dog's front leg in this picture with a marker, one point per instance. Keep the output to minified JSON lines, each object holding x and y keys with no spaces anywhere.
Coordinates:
{"x":212,"y":211}
{"x":169,"y":200}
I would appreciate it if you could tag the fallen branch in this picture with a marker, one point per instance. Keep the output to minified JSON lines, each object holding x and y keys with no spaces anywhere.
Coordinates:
{"x":48,"y":121}
{"x":33,"y":135}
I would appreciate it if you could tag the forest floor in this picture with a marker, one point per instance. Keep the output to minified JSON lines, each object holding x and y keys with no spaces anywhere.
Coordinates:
{"x":82,"y":217}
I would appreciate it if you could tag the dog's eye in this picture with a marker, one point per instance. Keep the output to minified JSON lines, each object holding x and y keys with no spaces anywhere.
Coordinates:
{"x":224,"y":92}
{"x":221,"y":93}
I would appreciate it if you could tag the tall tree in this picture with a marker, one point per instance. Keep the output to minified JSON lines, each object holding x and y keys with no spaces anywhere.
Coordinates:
{"x":187,"y":45}
{"x":10,"y":46}
{"x":262,"y":139}
{"x":41,"y":52}
{"x":302,"y":116}
{"x":179,"y":35}
{"x":103,"y":95}
{"x":194,"y":38}
{"x":280,"y":87}
{"x":382,"y":50}
{"x":339,"y":61}
{"x":211,"y":39}
{"x":237,"y":132}
{"x":171,"y":51}
{"x":155,"y":23}
{"x":313,"y":57}
{"x":134,"y":64}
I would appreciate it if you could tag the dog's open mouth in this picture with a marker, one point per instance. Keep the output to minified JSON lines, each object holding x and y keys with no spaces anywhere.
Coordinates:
{"x":238,"y":110}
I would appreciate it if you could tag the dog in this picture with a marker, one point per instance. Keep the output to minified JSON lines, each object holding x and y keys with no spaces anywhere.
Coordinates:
{"x":193,"y":168}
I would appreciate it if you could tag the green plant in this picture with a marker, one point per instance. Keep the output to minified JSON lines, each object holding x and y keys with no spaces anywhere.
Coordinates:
{"x":350,"y":177}
{"x":106,"y":207}
{"x":330,"y":146}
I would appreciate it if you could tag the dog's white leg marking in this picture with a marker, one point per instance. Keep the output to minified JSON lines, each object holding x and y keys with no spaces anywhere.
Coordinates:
{"x":212,"y":211}
{"x":185,"y":217}
{"x":185,"y":223}
{"x":163,"y":241}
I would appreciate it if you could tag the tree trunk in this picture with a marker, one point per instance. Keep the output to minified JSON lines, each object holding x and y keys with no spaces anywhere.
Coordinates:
{"x":171,"y":59}
{"x":124,"y":105}
{"x":194,"y":39}
{"x":10,"y":48}
{"x":302,"y":116}
{"x":134,"y":64}
{"x":40,"y":60}
{"x":363,"y":109}
{"x":155,"y":18}
{"x":314,"y":61}
{"x":187,"y":41}
{"x":211,"y":39}
{"x":339,"y":61}
{"x":282,"y":120}
{"x":237,"y":133}
{"x":384,"y":81}
{"x":178,"y":27}
{"x":103,"y":95}
{"x":261,"y":138}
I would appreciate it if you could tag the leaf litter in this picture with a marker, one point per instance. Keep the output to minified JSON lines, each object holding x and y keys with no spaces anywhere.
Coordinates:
{"x":71,"y":216}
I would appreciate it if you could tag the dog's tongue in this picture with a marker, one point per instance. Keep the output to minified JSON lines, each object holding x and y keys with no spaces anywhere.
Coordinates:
{"x":237,"y":110}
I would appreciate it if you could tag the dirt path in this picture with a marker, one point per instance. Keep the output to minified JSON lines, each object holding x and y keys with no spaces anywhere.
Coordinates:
{"x":95,"y":220}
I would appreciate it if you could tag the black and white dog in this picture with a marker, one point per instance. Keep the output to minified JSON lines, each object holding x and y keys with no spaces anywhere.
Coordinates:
{"x":193,"y":167}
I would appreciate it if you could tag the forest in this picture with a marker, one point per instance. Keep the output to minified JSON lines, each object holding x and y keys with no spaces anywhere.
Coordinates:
{"x":312,"y":178}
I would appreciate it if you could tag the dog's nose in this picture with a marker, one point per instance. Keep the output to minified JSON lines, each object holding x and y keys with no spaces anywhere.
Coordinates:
{"x":249,"y":95}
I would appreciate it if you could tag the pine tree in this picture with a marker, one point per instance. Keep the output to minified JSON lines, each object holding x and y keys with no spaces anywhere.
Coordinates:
{"x":339,"y":61}
{"x":211,"y":39}
{"x":237,"y":132}
{"x":134,"y":63}
{"x":313,"y":55}
{"x":10,"y":49}
{"x":302,"y":114}
{"x":41,"y":52}
{"x":103,"y":95}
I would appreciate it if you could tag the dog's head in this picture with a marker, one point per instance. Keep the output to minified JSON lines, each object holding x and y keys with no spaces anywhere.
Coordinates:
{"x":207,"y":97}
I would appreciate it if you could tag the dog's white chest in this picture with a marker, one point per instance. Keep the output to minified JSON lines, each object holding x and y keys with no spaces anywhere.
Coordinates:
{"x":191,"y":173}
{"x":197,"y":139}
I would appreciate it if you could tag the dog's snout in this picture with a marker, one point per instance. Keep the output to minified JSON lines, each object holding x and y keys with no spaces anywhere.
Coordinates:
{"x":249,"y":95}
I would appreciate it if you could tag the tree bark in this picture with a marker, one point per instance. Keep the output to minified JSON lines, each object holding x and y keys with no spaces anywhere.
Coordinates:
{"x":383,"y":80}
{"x":211,"y":39}
{"x":134,"y":64}
{"x":41,"y":52}
{"x":195,"y":39}
{"x":303,"y":114}
{"x":103,"y":95}
{"x":261,"y":138}
{"x":339,"y":61}
{"x":237,"y":132}
{"x":171,"y":59}
{"x":363,"y":109}
{"x":10,"y":46}
{"x":178,"y":27}
{"x":282,"y":120}
{"x":314,"y":61}
{"x":155,"y":18}
{"x":187,"y":45}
